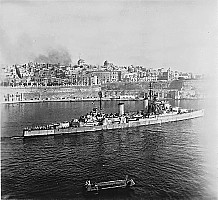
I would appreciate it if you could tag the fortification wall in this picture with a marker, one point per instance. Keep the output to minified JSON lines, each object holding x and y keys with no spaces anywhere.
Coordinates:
{"x":48,"y":93}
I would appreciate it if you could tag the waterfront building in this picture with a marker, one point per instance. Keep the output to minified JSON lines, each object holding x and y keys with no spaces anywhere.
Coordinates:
{"x":176,"y":75}
{"x":166,"y":76}
{"x":73,"y":79}
{"x":185,"y":76}
{"x":103,"y":76}
{"x":80,"y":62}
{"x":150,"y":77}
{"x":93,"y":80}
{"x":12,"y":97}
{"x":130,"y":77}
{"x":115,"y":76}
{"x":47,"y":74}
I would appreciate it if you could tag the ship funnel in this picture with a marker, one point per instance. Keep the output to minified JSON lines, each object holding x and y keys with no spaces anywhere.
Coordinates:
{"x":121,"y":108}
{"x":145,"y":102}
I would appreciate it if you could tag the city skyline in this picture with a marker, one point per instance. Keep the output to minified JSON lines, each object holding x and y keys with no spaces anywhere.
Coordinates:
{"x":177,"y":34}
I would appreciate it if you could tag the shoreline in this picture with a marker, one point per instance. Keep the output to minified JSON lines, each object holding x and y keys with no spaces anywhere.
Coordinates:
{"x":83,"y":100}
{"x":67,"y":100}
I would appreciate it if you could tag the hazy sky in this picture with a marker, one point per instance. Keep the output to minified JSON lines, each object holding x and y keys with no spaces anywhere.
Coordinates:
{"x":172,"y":33}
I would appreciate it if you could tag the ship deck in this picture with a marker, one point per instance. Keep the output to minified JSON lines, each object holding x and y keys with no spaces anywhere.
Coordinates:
{"x":156,"y":119}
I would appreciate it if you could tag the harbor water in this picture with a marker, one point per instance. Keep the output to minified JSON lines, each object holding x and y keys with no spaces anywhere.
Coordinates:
{"x":176,"y":160}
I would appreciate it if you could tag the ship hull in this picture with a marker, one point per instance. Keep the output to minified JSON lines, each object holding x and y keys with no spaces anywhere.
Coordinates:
{"x":157,"y":119}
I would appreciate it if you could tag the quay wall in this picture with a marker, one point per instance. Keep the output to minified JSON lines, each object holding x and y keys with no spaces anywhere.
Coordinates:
{"x":176,"y":90}
{"x":12,"y":94}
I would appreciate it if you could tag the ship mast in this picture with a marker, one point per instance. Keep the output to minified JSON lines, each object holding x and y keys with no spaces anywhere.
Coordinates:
{"x":150,"y":90}
{"x":100,"y":96}
{"x":150,"y":99}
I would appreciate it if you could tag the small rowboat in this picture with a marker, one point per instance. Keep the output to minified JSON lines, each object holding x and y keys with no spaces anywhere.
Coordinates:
{"x":95,"y":187}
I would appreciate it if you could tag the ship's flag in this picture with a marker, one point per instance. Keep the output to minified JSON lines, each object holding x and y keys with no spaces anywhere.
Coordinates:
{"x":18,"y":72}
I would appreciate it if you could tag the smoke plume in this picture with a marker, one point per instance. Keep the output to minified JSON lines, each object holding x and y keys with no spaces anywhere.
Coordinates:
{"x":55,"y":56}
{"x":26,"y":48}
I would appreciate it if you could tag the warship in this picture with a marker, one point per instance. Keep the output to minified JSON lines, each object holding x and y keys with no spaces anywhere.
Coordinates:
{"x":153,"y":112}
